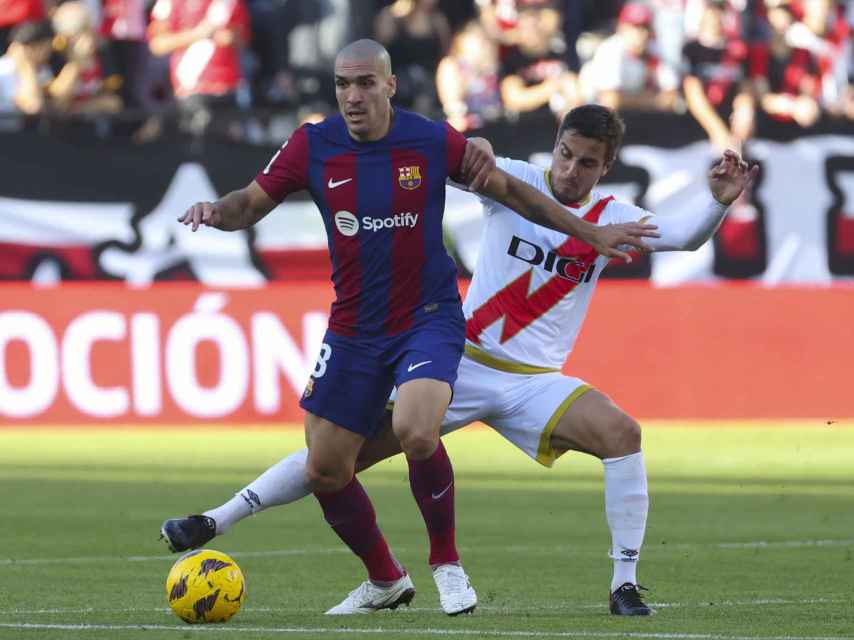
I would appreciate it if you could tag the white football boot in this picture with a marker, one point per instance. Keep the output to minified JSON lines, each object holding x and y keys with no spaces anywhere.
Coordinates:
{"x":456,"y":594}
{"x":368,"y":597}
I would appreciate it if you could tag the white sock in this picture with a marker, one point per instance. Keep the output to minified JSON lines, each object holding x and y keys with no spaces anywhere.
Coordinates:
{"x":626,"y":507}
{"x":282,"y":483}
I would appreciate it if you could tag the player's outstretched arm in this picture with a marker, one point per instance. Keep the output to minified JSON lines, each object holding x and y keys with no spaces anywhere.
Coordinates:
{"x":236,"y":210}
{"x":539,"y":209}
{"x":688,"y":231}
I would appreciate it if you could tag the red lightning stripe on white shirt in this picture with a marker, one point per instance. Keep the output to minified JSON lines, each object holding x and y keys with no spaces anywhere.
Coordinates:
{"x":519,"y":308}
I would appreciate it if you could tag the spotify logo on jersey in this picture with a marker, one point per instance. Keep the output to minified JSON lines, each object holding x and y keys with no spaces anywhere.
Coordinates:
{"x":346,"y":223}
{"x":349,"y":225}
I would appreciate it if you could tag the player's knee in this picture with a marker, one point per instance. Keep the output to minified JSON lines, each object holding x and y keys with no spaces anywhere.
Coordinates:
{"x":418,"y":444}
{"x":625,"y":435}
{"x":325,"y":479}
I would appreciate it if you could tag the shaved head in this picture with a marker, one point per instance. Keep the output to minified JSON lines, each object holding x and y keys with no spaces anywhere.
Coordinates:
{"x":365,"y":50}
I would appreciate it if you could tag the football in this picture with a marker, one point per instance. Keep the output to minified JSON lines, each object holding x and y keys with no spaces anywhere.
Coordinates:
{"x":205,"y":586}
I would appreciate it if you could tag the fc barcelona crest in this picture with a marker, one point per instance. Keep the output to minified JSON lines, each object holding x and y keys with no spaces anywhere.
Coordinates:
{"x":410,"y":177}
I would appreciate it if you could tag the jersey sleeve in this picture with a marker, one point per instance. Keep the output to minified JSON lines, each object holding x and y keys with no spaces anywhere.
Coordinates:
{"x":617,"y":212}
{"x":287,"y":171}
{"x":456,"y":143}
{"x":524,"y":171}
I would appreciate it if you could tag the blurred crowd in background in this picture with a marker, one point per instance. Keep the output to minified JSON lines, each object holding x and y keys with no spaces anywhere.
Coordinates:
{"x":253,"y":70}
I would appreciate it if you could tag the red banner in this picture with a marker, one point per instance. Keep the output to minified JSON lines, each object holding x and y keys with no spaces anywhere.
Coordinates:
{"x":170,"y":353}
{"x":177,"y":353}
{"x":721,"y":352}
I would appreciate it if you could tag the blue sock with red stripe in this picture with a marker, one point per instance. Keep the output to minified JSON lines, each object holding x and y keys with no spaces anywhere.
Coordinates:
{"x":351,"y":515}
{"x":432,"y":483}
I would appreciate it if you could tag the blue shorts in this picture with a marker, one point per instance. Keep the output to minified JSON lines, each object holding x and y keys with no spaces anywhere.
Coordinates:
{"x":354,"y":375}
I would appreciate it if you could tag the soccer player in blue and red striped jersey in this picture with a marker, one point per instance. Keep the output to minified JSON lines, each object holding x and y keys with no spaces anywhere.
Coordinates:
{"x":377,"y":175}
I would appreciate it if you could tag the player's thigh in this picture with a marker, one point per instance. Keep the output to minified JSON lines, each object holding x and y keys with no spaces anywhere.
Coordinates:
{"x":475,"y":392}
{"x":474,"y":396}
{"x":350,"y":384}
{"x":417,"y":415}
{"x":425,"y":370}
{"x":332,"y":452}
{"x":422,"y":401}
{"x":594,"y":424}
{"x":531,"y":409}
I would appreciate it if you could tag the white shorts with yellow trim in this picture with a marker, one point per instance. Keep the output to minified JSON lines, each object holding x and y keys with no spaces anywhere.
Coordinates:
{"x":523,"y":407}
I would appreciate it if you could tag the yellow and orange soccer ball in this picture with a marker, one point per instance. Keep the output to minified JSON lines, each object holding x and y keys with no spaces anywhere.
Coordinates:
{"x":205,"y":586}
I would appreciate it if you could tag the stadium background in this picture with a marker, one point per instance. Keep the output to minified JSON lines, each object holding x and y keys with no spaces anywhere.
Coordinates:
{"x":98,"y":286}
{"x":90,"y":193}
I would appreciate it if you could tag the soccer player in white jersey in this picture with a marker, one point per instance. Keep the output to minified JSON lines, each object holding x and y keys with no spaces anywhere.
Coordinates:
{"x":526,"y":303}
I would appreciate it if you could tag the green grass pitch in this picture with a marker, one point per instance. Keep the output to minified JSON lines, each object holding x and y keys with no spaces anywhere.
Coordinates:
{"x":751,"y":535}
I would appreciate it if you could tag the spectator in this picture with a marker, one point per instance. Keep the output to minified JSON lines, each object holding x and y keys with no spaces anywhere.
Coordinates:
{"x":848,"y":99}
{"x":203,"y":39}
{"x":272,"y":22}
{"x":825,"y":33}
{"x":467,"y":79}
{"x":17,"y":12}
{"x":786,"y":77}
{"x":669,"y":28}
{"x":717,"y":91}
{"x":87,"y":81}
{"x":316,"y":31}
{"x":719,"y":95}
{"x":625,"y":71}
{"x":499,"y":18}
{"x":417,"y":36}
{"x":535,"y":73}
{"x":584,"y":25}
{"x":123,"y":26}
{"x":24,"y":74}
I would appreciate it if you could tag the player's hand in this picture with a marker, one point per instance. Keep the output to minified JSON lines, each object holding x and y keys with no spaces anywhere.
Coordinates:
{"x":609,"y":238}
{"x":202,"y":213}
{"x":478,"y":163}
{"x":730,"y":176}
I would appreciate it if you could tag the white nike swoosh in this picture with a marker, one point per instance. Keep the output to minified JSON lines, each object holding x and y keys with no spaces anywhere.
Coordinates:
{"x":333,"y":183}
{"x":436,"y":496}
{"x":413,"y":367}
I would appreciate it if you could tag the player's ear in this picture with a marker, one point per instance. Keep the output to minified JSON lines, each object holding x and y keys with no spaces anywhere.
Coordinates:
{"x":391,"y":84}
